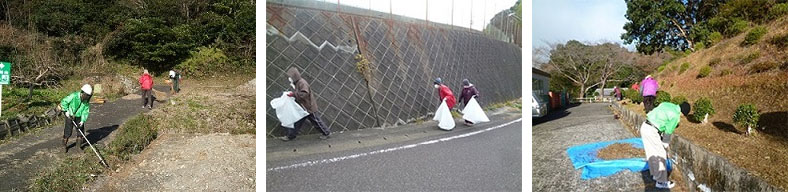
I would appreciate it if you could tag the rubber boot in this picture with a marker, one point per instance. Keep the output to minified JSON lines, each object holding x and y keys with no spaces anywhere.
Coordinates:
{"x":65,"y":145}
{"x":80,"y":141}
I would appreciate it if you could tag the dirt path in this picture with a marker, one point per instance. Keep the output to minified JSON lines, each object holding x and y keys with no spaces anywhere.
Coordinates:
{"x":188,"y":162}
{"x":26,"y":157}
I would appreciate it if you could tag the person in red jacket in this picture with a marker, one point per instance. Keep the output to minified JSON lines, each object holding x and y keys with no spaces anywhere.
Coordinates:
{"x":146,"y":84}
{"x":444,"y":93}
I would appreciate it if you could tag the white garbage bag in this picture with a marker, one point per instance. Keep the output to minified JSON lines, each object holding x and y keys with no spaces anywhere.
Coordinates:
{"x":474,"y":113}
{"x":443,"y":116}
{"x":287,"y":110}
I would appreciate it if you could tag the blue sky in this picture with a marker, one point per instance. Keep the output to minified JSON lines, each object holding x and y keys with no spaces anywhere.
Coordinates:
{"x":557,"y":21}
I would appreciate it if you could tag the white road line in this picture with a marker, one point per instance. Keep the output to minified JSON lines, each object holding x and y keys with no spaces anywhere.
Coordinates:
{"x":336,"y":159}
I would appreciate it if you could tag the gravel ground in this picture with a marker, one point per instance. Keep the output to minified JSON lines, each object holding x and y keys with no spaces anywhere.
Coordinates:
{"x":586,"y":123}
{"x":187,"y":162}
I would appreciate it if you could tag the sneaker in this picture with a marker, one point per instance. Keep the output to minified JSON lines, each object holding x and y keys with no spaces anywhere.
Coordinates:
{"x":150,"y":107}
{"x":665,"y":185}
{"x":143,"y":106}
{"x":324,"y":137}
{"x":285,"y":138}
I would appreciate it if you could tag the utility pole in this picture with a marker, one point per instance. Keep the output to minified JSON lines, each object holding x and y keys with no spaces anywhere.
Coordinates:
{"x":470,"y":27}
{"x":452,"y":13}
{"x":391,"y":13}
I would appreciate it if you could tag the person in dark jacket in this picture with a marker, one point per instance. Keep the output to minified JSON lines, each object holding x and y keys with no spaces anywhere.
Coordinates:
{"x":303,"y":96}
{"x":468,"y":91}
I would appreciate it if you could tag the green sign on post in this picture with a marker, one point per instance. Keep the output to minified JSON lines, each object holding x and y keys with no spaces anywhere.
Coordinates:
{"x":5,"y":73}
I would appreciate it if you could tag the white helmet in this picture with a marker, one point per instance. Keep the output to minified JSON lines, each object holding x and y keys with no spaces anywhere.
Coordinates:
{"x":87,"y":89}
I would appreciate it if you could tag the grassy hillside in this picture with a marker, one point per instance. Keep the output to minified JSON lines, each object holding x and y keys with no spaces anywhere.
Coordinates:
{"x":739,"y":74}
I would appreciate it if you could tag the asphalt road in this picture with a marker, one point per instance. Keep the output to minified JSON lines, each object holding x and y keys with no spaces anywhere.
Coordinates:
{"x":586,"y":123}
{"x":486,"y":161}
{"x":30,"y":155}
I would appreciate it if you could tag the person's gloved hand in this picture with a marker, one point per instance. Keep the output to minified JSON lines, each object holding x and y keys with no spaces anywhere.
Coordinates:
{"x":68,"y":114}
{"x":291,"y":94}
{"x":81,"y":124}
{"x":665,"y":145}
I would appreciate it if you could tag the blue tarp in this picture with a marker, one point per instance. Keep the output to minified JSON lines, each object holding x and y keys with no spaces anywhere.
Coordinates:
{"x":585,"y":156}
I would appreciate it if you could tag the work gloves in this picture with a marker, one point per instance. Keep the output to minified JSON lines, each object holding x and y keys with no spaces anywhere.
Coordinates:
{"x":81,"y":124}
{"x":68,"y":114}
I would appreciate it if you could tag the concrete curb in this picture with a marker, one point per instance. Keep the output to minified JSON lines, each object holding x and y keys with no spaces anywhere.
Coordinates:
{"x":704,"y":170}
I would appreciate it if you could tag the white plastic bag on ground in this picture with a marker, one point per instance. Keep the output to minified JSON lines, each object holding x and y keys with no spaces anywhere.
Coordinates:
{"x":287,"y":110}
{"x":474,"y":113}
{"x":443,"y":116}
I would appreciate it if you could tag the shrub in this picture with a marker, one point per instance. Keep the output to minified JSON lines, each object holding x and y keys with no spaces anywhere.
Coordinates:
{"x":778,"y":10}
{"x":660,"y":68}
{"x":662,"y":96}
{"x":678,"y":100}
{"x":763,"y":66}
{"x":204,"y":62}
{"x":633,"y":95}
{"x":684,"y":67}
{"x":134,"y":136}
{"x":699,"y":46}
{"x":781,"y":40}
{"x":737,"y":27}
{"x":715,"y":61}
{"x":704,"y":72}
{"x":749,"y":57}
{"x":754,"y":35}
{"x":715,"y":38}
{"x":746,"y":115}
{"x":701,"y":107}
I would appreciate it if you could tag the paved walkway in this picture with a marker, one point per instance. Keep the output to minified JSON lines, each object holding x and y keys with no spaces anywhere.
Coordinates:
{"x":586,"y":123}
{"x":28,"y":156}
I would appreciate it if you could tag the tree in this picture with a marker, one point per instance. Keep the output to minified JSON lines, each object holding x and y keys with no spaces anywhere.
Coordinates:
{"x":150,"y":43}
{"x":612,"y":58}
{"x":655,"y":25}
{"x":574,"y":61}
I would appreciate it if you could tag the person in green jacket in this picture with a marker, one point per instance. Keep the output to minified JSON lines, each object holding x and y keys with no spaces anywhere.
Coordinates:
{"x":660,"y":124}
{"x":77,"y":108}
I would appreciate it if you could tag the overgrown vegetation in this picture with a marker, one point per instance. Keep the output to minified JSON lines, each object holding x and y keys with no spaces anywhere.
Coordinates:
{"x":210,"y":58}
{"x":134,"y":136}
{"x":701,"y":107}
{"x":70,"y":174}
{"x":754,"y":35}
{"x":73,"y":172}
{"x":52,"y":41}
{"x":704,"y":71}
{"x":654,"y":26}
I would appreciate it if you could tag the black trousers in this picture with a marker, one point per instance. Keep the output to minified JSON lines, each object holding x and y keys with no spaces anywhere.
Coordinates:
{"x":67,"y":128}
{"x":314,"y":119}
{"x":147,"y":97}
{"x":648,"y":102}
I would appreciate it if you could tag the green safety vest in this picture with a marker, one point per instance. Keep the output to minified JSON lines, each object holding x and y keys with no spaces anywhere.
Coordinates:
{"x":74,"y":105}
{"x":666,"y":117}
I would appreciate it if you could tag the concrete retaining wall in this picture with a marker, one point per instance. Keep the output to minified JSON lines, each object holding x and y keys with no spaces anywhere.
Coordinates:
{"x":406,"y":54}
{"x":702,"y":169}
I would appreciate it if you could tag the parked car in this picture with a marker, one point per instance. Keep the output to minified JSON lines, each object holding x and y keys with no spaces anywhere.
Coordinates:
{"x":538,"y":106}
